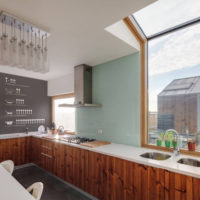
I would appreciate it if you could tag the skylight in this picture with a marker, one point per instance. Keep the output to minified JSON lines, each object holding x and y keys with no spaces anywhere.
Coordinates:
{"x":166,"y":14}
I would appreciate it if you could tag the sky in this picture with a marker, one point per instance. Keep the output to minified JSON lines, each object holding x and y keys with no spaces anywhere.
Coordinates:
{"x":176,"y":55}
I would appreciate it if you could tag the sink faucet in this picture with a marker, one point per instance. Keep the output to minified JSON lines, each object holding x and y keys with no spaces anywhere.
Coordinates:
{"x":177,"y":149}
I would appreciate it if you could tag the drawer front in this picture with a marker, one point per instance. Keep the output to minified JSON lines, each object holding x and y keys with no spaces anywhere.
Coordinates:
{"x":47,"y":147}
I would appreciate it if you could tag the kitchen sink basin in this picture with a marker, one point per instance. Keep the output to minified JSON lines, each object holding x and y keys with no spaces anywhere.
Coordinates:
{"x":155,"y":156}
{"x":188,"y":161}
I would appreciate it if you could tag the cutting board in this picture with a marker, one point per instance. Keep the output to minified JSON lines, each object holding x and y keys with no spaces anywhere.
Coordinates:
{"x":96,"y":143}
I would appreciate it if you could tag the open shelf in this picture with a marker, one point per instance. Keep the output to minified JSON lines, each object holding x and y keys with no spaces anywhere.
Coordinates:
{"x":16,"y":85}
{"x":22,"y":95}
{"x":16,"y":115}
{"x":15,"y":125}
{"x":14,"y":104}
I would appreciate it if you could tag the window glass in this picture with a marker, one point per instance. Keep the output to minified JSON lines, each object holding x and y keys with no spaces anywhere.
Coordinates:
{"x":164,"y":14}
{"x":63,"y":115}
{"x":174,"y":85}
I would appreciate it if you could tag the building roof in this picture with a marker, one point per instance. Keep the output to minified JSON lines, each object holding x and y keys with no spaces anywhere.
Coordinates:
{"x":182,"y":86}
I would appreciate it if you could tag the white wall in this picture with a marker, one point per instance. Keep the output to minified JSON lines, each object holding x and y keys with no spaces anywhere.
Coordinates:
{"x":121,"y":31}
{"x":61,"y":85}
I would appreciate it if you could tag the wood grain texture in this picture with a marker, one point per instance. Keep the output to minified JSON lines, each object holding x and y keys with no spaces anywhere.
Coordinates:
{"x":46,"y":154}
{"x":35,"y":150}
{"x":105,"y":177}
{"x":59,"y":160}
{"x":143,"y":79}
{"x":15,"y":149}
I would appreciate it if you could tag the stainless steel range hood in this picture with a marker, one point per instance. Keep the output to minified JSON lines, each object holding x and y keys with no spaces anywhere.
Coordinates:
{"x":82,"y":87}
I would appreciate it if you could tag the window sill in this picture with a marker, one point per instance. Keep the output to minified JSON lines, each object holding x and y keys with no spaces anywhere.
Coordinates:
{"x":70,"y":132}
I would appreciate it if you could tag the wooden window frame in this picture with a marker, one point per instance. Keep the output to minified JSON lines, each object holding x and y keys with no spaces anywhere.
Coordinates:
{"x":133,"y":27}
{"x":69,"y":95}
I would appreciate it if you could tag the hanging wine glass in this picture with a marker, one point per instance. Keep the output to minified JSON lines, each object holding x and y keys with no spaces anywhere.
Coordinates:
{"x":28,"y":57}
{"x":4,"y":44}
{"x":1,"y":44}
{"x":42,"y":52}
{"x":44,"y":57}
{"x":13,"y":46}
{"x":22,"y":48}
{"x":37,"y":54}
{"x":30,"y":52}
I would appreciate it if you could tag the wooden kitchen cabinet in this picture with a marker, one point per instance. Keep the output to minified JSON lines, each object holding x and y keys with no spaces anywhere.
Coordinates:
{"x":69,"y":164}
{"x":181,"y":187}
{"x":103,"y":176}
{"x":111,"y":178}
{"x":76,"y":166}
{"x":46,"y":155}
{"x":35,"y":150}
{"x":42,"y":153}
{"x":15,"y":149}
{"x":59,"y":160}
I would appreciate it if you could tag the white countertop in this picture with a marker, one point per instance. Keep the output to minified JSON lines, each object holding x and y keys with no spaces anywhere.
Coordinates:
{"x":18,"y":135}
{"x":131,"y":153}
{"x":10,"y":189}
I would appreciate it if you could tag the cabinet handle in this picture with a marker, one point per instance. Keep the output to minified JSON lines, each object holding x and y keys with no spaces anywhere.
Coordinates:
{"x":44,"y":154}
{"x":45,"y":147}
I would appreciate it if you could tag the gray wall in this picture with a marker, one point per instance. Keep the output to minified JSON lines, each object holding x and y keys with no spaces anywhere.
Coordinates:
{"x":35,"y":98}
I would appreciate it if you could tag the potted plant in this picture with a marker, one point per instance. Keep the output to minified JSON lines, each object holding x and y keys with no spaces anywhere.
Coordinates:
{"x":168,"y":139}
{"x":160,"y":139}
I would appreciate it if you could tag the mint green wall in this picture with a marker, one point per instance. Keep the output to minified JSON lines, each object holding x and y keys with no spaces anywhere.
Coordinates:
{"x":116,"y":85}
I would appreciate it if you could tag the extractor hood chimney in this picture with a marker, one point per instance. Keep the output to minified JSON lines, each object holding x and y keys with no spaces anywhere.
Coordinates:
{"x":82,"y":87}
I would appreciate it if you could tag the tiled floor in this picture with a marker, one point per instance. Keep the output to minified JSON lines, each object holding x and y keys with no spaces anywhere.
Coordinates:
{"x":54,"y":189}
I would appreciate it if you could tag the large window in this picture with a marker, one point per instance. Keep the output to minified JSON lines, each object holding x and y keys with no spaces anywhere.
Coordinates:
{"x":63,"y":116}
{"x":165,"y":14}
{"x":172,"y":29}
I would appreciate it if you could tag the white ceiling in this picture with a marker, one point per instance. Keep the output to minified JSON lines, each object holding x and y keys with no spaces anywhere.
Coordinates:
{"x":77,"y":31}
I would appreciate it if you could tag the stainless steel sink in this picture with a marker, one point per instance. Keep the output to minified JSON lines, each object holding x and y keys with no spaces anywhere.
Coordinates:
{"x":188,"y":161}
{"x":155,"y":156}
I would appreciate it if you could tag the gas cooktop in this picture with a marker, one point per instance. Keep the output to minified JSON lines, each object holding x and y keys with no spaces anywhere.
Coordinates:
{"x":75,"y":139}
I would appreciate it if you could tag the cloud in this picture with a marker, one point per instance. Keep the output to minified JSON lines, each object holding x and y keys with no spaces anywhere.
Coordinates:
{"x":180,"y":50}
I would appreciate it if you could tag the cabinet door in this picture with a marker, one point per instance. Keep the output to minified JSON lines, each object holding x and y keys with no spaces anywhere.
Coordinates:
{"x":59,"y":160}
{"x":18,"y":150}
{"x":69,"y":164}
{"x":15,"y":150}
{"x":95,"y":184}
{"x":181,"y":187}
{"x":76,"y":166}
{"x":80,"y":167}
{"x":35,"y":150}
{"x":4,"y":150}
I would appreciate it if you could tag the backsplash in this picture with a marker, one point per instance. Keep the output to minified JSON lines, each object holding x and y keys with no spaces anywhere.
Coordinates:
{"x":116,"y":85}
{"x":24,"y":104}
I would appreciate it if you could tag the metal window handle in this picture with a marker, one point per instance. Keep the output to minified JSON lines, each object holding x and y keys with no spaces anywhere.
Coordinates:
{"x":44,"y":154}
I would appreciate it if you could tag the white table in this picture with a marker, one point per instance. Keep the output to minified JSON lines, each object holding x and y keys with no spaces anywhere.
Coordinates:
{"x":11,"y":189}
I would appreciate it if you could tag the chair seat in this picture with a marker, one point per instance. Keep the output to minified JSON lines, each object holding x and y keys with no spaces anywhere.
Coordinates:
{"x":36,"y":190}
{"x":8,"y":165}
